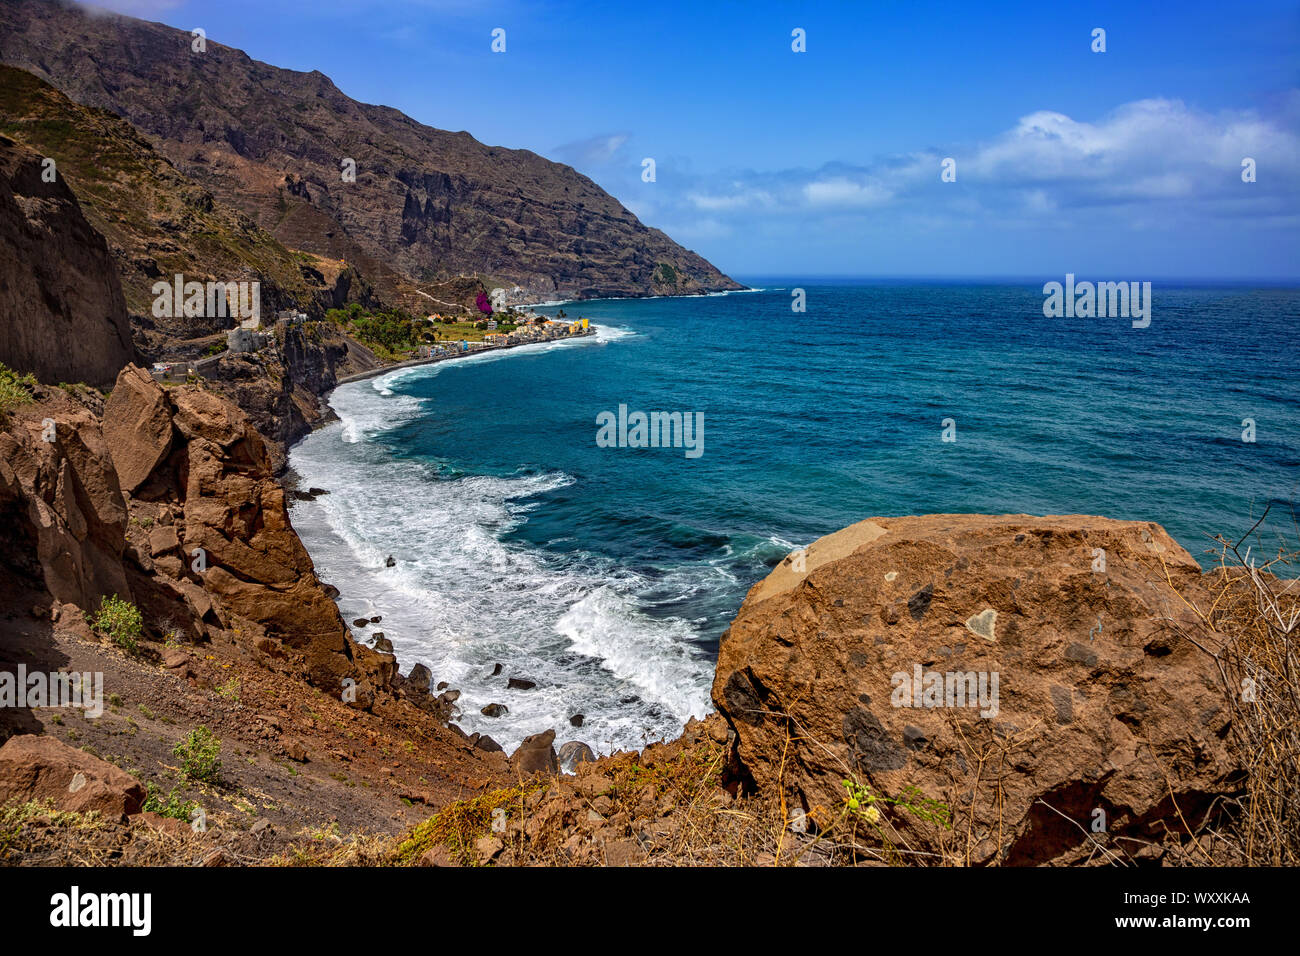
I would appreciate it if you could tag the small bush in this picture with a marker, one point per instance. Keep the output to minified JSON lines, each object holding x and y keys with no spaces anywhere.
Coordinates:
{"x":121,"y":622}
{"x":15,"y":389}
{"x":170,"y":806}
{"x":200,"y":754}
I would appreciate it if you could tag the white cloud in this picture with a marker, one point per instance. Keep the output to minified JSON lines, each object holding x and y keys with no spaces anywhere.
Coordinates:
{"x":1150,"y":159}
{"x":593,"y":151}
{"x":845,"y":192}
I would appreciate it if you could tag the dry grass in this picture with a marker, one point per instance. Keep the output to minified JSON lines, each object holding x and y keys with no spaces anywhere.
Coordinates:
{"x":1250,"y":626}
{"x":36,"y":834}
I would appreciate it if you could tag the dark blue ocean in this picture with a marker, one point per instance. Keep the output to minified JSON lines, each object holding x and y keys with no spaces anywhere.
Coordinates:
{"x":607,"y":574}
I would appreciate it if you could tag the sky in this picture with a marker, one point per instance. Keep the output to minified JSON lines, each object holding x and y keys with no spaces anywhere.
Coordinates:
{"x":1117,"y":165}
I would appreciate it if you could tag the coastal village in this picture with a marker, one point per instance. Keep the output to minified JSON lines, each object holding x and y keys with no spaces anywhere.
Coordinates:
{"x":435,"y":337}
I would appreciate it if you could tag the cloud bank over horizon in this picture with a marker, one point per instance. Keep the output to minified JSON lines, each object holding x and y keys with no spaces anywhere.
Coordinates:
{"x":1154,"y":165}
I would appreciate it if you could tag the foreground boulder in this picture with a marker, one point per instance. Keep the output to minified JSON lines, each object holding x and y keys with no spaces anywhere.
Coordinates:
{"x":1023,"y":672}
{"x":36,"y":767}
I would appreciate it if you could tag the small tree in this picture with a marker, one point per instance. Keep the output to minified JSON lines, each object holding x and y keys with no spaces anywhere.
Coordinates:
{"x":120,"y":621}
{"x":200,"y":754}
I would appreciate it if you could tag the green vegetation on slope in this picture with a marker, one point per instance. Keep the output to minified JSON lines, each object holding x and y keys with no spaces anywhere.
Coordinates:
{"x":163,"y":222}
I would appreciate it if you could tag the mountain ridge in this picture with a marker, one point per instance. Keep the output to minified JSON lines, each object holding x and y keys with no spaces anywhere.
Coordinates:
{"x":427,"y":205}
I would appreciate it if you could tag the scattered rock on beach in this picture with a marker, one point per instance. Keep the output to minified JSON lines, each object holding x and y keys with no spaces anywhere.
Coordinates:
{"x":422,"y":677}
{"x":576,"y":720}
{"x":536,"y":755}
{"x":376,"y":619}
{"x":443,"y":685}
{"x":519,"y":683}
{"x":390,"y":561}
{"x":496,"y":671}
{"x":574,"y":753}
{"x":382,"y":644}
{"x":495,"y":710}
{"x":360,"y":622}
{"x":484,"y":742}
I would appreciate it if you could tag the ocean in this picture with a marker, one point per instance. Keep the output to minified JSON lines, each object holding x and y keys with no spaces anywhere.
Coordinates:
{"x":607,"y":573}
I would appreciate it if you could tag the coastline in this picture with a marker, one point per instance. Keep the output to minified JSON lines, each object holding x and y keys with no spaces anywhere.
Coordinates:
{"x":415,"y":363}
{"x":365,"y":594}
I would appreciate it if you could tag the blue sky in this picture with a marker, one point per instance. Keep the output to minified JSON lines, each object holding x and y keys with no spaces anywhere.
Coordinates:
{"x":1122,"y":164}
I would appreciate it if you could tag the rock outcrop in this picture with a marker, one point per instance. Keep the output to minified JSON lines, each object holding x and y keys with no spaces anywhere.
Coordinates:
{"x":1023,"y":672}
{"x":171,"y":503}
{"x":62,"y":315}
{"x":62,"y":515}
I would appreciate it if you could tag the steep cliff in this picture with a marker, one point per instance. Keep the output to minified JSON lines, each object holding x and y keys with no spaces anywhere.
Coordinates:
{"x":169,"y":501}
{"x":159,"y":223}
{"x":62,"y":315}
{"x":426,"y":204}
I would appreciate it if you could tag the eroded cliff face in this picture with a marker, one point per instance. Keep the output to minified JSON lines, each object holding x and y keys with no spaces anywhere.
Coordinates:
{"x":169,"y":501}
{"x":281,"y":389}
{"x":62,"y":314}
{"x":1026,"y":673}
{"x":158,"y":224}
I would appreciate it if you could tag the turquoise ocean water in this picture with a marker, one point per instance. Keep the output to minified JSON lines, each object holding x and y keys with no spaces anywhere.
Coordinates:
{"x":607,"y":574}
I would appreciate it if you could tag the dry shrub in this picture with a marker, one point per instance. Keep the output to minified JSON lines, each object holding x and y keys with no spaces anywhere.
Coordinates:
{"x":1251,"y":625}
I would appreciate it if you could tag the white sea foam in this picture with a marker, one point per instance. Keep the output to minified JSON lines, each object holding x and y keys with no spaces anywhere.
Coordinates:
{"x":460,"y":599}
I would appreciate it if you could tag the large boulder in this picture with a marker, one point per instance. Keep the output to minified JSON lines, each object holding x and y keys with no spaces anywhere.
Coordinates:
{"x":138,"y":426}
{"x":40,"y":768}
{"x":1024,"y":672}
{"x":536,"y":755}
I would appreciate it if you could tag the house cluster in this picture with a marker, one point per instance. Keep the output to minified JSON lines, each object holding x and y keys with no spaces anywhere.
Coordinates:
{"x":172,"y":372}
{"x":535,"y":328}
{"x":442,"y":350}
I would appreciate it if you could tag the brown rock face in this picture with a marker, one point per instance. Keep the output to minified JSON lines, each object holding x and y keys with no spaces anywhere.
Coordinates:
{"x":61,"y":510}
{"x":62,"y":315}
{"x":196,"y":451}
{"x":1019,"y":670}
{"x":215,"y":548}
{"x":39,"y":767}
